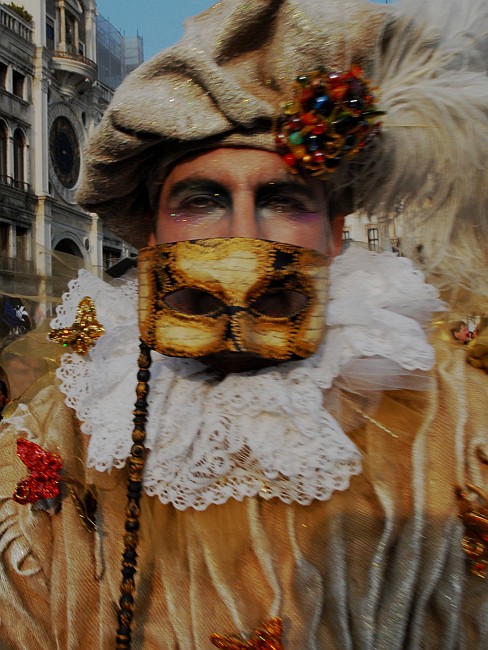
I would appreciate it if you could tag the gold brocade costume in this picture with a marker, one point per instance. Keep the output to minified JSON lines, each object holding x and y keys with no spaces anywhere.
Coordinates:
{"x":377,"y":566}
{"x":380,"y":564}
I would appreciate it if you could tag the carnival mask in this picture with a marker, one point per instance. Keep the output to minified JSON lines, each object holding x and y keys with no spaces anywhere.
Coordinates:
{"x":198,"y":298}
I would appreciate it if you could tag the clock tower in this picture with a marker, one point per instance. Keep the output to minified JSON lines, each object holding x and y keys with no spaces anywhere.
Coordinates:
{"x":56,"y":98}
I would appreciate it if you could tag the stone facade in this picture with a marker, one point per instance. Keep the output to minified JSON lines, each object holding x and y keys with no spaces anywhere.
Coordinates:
{"x":51,"y":99}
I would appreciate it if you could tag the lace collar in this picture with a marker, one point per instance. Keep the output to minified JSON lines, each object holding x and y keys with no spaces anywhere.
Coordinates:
{"x":266,"y":432}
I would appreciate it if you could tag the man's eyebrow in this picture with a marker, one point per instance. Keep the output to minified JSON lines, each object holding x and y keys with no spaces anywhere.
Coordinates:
{"x":195,"y":185}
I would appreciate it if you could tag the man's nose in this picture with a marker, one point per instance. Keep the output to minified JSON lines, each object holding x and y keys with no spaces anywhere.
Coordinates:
{"x":244,"y":222}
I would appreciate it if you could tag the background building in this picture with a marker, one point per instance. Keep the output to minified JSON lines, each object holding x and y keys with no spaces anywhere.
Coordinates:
{"x":59,"y":65}
{"x":375,"y":234}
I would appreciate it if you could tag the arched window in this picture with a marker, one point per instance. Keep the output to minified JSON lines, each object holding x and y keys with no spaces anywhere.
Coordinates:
{"x":3,"y":152}
{"x":19,"y":159}
{"x":67,"y":259}
{"x":69,"y":247}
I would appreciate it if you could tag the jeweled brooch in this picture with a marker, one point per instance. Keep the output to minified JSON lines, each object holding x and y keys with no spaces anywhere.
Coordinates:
{"x":330,"y":118}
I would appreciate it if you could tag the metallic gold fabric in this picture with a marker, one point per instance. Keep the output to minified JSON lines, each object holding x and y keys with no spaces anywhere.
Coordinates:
{"x":214,"y":295}
{"x":378,"y":567}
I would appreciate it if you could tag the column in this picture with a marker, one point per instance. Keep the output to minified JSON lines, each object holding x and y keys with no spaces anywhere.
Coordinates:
{"x":61,"y":27}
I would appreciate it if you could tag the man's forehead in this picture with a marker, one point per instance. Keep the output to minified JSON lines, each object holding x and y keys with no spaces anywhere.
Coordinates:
{"x":238,"y":166}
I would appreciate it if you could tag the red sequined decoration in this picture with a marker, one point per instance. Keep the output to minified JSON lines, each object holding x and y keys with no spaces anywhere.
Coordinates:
{"x":44,"y":468}
{"x":331,"y":118}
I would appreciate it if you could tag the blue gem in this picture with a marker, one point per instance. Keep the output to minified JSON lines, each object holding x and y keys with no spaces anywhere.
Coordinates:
{"x":323,"y":104}
{"x":313,"y":142}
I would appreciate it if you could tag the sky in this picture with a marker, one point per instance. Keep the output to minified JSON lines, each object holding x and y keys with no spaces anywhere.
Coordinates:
{"x":159,"y":22}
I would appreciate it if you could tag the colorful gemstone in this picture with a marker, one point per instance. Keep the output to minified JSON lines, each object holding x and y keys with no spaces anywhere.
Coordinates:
{"x":313,"y":142}
{"x":319,"y":128}
{"x":295,"y":124}
{"x":295,"y":138}
{"x":299,"y":152}
{"x":309,"y":118}
{"x":356,"y":71}
{"x":280,"y":139}
{"x":289,"y":159}
{"x":324,"y":105}
{"x":306,"y":95}
{"x":289,"y":108}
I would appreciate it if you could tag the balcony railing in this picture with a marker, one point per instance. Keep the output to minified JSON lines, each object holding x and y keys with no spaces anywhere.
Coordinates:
{"x":75,"y":57}
{"x":12,"y":21}
{"x":13,"y":182}
{"x":16,"y":265}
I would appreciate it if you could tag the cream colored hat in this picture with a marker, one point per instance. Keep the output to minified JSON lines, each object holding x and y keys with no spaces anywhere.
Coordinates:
{"x":224,"y":82}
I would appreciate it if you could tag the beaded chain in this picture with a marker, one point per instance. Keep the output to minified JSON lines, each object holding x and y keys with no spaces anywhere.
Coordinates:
{"x":135,"y":465}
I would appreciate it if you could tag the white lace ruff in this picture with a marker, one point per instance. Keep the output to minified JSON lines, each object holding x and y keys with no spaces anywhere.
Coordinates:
{"x":266,"y":432}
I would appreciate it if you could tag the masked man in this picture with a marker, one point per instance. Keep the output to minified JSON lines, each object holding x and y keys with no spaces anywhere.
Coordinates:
{"x":304,"y":470}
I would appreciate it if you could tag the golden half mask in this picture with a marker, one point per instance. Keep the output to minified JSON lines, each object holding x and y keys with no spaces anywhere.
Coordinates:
{"x":201,"y":297}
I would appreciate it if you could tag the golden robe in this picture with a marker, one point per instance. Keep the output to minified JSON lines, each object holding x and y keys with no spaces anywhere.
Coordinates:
{"x":379,"y":566}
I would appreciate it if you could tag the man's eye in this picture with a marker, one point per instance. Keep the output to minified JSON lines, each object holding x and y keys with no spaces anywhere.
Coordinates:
{"x":202,"y":202}
{"x":286,"y":205}
{"x":198,"y":205}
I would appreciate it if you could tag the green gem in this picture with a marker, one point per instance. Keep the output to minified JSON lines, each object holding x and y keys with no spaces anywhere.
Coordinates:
{"x":295,"y":138}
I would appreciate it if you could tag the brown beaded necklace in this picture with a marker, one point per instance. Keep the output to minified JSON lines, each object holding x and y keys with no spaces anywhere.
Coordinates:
{"x":135,"y":464}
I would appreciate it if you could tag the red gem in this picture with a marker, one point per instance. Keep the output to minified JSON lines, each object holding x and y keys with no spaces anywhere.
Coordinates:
{"x":309,"y":118}
{"x":290,"y":159}
{"x":338,"y":93}
{"x":335,"y":79}
{"x":319,"y":128}
{"x":44,"y":467}
{"x":319,"y":156}
{"x":306,"y":94}
{"x":295,"y":124}
{"x":356,"y":71}
{"x":280,"y":139}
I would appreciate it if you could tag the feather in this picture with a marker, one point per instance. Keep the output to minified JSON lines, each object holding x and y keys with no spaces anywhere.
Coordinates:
{"x":430,"y":67}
